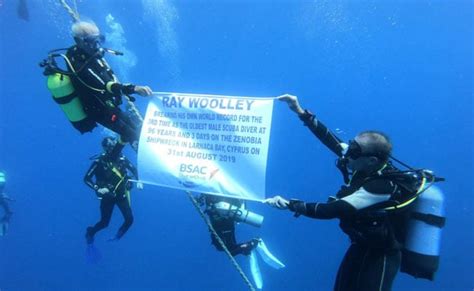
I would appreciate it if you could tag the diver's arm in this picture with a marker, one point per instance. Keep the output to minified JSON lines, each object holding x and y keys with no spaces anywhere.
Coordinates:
{"x":362,"y":198}
{"x":345,"y":206}
{"x":316,"y":127}
{"x":334,"y":209}
{"x":126,"y":89}
{"x":119,"y":89}
{"x":89,"y":175}
{"x":328,"y":138}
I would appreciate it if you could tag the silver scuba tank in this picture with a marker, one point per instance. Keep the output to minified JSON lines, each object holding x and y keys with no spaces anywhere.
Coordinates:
{"x":239,"y":214}
{"x":420,"y":256}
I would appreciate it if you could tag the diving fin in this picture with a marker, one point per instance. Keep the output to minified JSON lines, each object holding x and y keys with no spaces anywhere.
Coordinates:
{"x":268,"y":257}
{"x":255,"y":270}
{"x":93,"y":255}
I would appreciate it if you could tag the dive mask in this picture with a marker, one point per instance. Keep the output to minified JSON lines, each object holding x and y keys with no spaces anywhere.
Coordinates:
{"x":108,"y":144}
{"x":351,"y":153}
{"x":354,"y":151}
{"x":90,"y":43}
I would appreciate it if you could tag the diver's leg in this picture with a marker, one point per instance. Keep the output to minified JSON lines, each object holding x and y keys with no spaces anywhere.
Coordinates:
{"x":106,"y":209}
{"x":120,"y":123}
{"x":247,"y":247}
{"x":228,"y":236}
{"x":5,"y":206}
{"x":349,"y":269}
{"x":379,"y":269}
{"x":130,"y":129}
{"x":126,"y":209}
{"x":225,"y":229}
{"x":7,"y":211}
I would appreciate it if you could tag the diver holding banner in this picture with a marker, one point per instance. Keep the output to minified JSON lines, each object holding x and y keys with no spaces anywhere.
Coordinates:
{"x":393,"y":218}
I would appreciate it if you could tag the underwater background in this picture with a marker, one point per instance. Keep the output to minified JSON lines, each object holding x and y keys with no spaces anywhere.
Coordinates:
{"x":402,"y":67}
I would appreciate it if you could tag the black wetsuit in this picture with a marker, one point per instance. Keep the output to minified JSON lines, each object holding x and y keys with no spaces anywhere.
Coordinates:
{"x":111,"y":173}
{"x":7,"y":213}
{"x":225,"y":227}
{"x":90,"y":76}
{"x":373,"y":259}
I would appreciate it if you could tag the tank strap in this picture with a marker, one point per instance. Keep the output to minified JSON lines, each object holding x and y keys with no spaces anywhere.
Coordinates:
{"x":430,"y":219}
{"x":394,"y":204}
{"x":51,"y":52}
{"x":422,"y":188}
{"x":65,"y":99}
{"x":66,"y":59}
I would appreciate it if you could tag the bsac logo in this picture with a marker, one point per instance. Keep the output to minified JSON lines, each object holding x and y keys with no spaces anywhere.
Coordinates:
{"x":192,"y":172}
{"x":192,"y":169}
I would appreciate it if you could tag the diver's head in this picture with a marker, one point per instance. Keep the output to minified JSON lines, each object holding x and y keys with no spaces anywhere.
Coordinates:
{"x":87,"y":36}
{"x":368,"y":152}
{"x":108,"y":144}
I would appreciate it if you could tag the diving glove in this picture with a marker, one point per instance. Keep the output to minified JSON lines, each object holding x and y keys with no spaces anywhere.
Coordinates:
{"x":297,"y":206}
{"x":102,"y":192}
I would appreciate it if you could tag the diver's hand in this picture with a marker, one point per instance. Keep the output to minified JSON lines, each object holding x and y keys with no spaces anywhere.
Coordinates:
{"x":103,"y":191}
{"x":292,"y":102}
{"x":139,"y":185}
{"x":297,"y":206}
{"x":143,"y":90}
{"x":277,"y":202}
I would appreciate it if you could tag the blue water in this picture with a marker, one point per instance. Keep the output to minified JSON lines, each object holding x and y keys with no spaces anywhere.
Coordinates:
{"x":403,"y":67}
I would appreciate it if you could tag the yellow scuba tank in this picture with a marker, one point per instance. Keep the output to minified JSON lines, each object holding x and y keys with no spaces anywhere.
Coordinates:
{"x":63,"y":92}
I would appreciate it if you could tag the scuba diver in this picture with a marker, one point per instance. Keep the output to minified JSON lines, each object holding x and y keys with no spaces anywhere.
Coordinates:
{"x":88,"y":90}
{"x":112,"y":187}
{"x":375,"y":208}
{"x":224,"y":213}
{"x":220,"y":212}
{"x":22,"y":10}
{"x":4,"y":199}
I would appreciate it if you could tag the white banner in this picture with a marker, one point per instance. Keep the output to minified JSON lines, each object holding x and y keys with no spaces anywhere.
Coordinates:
{"x":206,"y":143}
